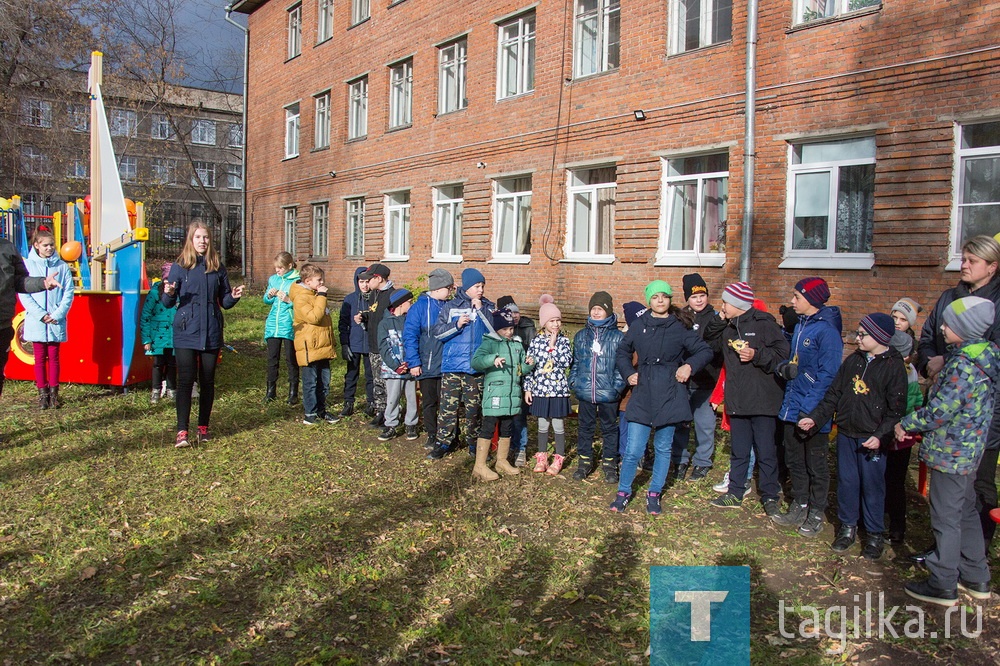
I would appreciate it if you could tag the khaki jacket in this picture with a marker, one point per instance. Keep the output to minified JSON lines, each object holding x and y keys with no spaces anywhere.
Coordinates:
{"x":312,"y":325}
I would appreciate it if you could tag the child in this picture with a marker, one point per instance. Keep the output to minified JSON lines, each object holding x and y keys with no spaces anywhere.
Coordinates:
{"x":598,"y":386}
{"x":354,"y":345}
{"x":313,"y":342}
{"x":45,"y":323}
{"x":380,"y":287}
{"x":897,"y":458}
{"x":278,"y":327}
{"x":524,"y":332}
{"x":630,"y":311}
{"x":423,"y":350}
{"x":956,"y":421}
{"x":904,"y":315}
{"x":394,"y":367}
{"x":868,"y":396}
{"x":503,"y":362}
{"x":156,"y":326}
{"x":546,"y":389}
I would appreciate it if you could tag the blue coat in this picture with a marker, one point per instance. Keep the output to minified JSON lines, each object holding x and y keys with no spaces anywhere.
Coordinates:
{"x":391,"y":345}
{"x":819,"y":349}
{"x":461,"y":343}
{"x":55,"y":302}
{"x":279,"y":319}
{"x":594,"y":377}
{"x":156,"y":323}
{"x":199,"y":297}
{"x":422,"y":349}
{"x":352,"y":334}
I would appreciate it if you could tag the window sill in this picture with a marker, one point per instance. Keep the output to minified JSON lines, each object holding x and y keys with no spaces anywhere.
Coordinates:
{"x":519,"y":95}
{"x":443,"y":114}
{"x":588,"y":77}
{"x":449,"y":259}
{"x":399,"y":128}
{"x":848,"y":263}
{"x":357,"y":139}
{"x":291,"y":58}
{"x":954,"y":264}
{"x":323,"y":41}
{"x":289,"y":157}
{"x":690,"y":259}
{"x":846,"y":16}
{"x":320,"y":149}
{"x":699,"y":49}
{"x":397,"y":257}
{"x":511,"y":259}
{"x":588,"y":259}
{"x":361,"y":22}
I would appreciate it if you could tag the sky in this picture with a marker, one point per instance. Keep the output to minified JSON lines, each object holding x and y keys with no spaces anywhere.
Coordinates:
{"x":213,"y":46}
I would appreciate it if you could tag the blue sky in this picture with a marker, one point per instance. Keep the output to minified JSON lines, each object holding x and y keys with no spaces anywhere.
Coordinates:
{"x":214,"y":47}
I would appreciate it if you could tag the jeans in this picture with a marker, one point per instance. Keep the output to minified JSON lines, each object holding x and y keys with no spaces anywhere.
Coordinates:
{"x":193,"y":363}
{"x":351,"y":378}
{"x":860,"y":485}
{"x":808,"y":466}
{"x":395,"y":388}
{"x":704,"y":428}
{"x":959,"y":550}
{"x":590,"y":414}
{"x":315,"y":384}
{"x":638,"y":435}
{"x":754,"y":433}
{"x":274,"y":346}
{"x":519,"y":436}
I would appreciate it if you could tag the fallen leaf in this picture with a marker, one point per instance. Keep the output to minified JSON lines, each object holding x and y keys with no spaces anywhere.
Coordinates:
{"x":89,"y":572}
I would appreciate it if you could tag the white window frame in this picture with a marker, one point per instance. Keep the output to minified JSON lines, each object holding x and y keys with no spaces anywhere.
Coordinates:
{"x":961,"y":156}
{"x":361,"y":10}
{"x":292,"y":115}
{"x":397,"y":226}
{"x":36,"y":113}
{"x":79,"y":117}
{"x":401,"y":94}
{"x":33,"y":161}
{"x":707,"y":15}
{"x":453,"y":61}
{"x":603,"y":18}
{"x":163,"y":170}
{"x":203,"y":132}
{"x":324,"y":20}
{"x":321,"y":229}
{"x":693,"y":257}
{"x":123,"y":122}
{"x":592,"y":191}
{"x":79,"y":168}
{"x":291,"y":229}
{"x":448,"y":211}
{"x":520,"y":199}
{"x":355,"y":216}
{"x":160,"y":127}
{"x":519,"y":45}
{"x":128,"y":168}
{"x":294,"y":31}
{"x":357,"y":108}
{"x":321,"y":124}
{"x":234,"y":176}
{"x":235,"y":139}
{"x":830,"y":9}
{"x":205,"y":171}
{"x":828,"y":257}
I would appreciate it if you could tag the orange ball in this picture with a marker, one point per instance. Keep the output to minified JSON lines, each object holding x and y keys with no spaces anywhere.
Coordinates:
{"x":71,"y":251}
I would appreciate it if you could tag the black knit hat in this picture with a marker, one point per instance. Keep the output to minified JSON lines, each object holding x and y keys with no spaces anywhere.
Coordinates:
{"x":602,"y":299}
{"x":694,"y":283}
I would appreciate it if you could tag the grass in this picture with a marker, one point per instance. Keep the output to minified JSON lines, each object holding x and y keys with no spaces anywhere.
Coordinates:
{"x":284,"y":544}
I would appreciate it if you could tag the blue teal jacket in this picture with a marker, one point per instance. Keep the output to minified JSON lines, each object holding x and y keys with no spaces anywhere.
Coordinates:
{"x":461,"y":343}
{"x":200,"y":298}
{"x":594,"y":377}
{"x":54,"y":302}
{"x":422,"y":349}
{"x":819,"y":350}
{"x":279,"y":319}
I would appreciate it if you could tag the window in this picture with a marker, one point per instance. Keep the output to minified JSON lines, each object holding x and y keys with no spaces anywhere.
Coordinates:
{"x":451,"y":83}
{"x":401,"y":94}
{"x":357,"y":119}
{"x":163,"y":170}
{"x":160,"y":127}
{"x":128,"y":168}
{"x":79,"y":117}
{"x":291,"y":229}
{"x":516,"y":57}
{"x":324,"y":20}
{"x":234,"y":215}
{"x":234,"y":176}
{"x":321,"y":126}
{"x":512,"y":218}
{"x":355,"y":227}
{"x":695,"y":204}
{"x":204,"y":171}
{"x":978,"y":199}
{"x":397,"y":225}
{"x":360,"y":10}
{"x":292,"y":130}
{"x":77,"y":168}
{"x":235,"y":135}
{"x":200,"y":211}
{"x":698,"y":23}
{"x":831,"y":195}
{"x":321,"y":229}
{"x":597,"y":45}
{"x":814,"y":10}
{"x":294,"y":31}
{"x":36,"y":113}
{"x":34,"y":162}
{"x":591,"y":226}
{"x":448,"y":200}
{"x":124,"y":122}
{"x":203,"y":132}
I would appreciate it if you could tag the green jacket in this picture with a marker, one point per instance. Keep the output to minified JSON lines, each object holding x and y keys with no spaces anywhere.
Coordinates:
{"x":501,"y":386}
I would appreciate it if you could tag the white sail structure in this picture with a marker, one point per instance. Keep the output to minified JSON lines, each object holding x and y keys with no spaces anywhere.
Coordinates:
{"x":108,"y":215}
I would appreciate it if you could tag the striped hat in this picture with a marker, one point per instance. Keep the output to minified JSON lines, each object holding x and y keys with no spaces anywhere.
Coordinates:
{"x":880,"y":326}
{"x":739,"y":295}
{"x":815,"y":290}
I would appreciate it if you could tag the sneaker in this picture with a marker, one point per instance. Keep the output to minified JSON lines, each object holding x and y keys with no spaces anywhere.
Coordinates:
{"x":347,"y":410}
{"x":772,"y":508}
{"x":521,"y":460}
{"x":556,"y":466}
{"x":621,"y":501}
{"x":698,"y":473}
{"x":378,"y":421}
{"x":330,"y":418}
{"x":310,"y":419}
{"x":874,"y":545}
{"x":431,"y":443}
{"x":203,"y":437}
{"x":580,"y":474}
{"x":812,"y":525}
{"x":727,"y":501}
{"x":411,"y":433}
{"x":541,"y":462}
{"x":439,"y":451}
{"x":154,"y":397}
{"x":182,"y":440}
{"x":681,"y":473}
{"x":653,"y":503}
{"x":924,"y":591}
{"x":794,"y":517}
{"x":611,"y":475}
{"x":387,"y":433}
{"x":846,"y":536}
{"x":722,"y":486}
{"x":979,"y":591}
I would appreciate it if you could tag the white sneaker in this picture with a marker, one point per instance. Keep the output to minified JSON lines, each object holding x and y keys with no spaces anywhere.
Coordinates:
{"x":722,"y":486}
{"x":194,"y":390}
{"x":521,"y":459}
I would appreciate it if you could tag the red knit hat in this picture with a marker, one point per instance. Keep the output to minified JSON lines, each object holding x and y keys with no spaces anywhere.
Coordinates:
{"x":739,"y":295}
{"x":815,"y":290}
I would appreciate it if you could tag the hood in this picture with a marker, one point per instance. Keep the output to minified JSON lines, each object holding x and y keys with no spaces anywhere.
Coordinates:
{"x":291,"y":275}
{"x":357,"y":272}
{"x":984,"y":354}
{"x":829,"y":314}
{"x":36,"y":258}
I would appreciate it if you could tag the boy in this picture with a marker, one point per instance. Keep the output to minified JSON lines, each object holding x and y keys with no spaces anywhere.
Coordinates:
{"x":956,"y":421}
{"x":598,"y":385}
{"x":869,"y":397}
{"x":524,"y":332}
{"x":380,"y":288}
{"x":423,"y":350}
{"x":354,"y":344}
{"x":394,"y":368}
{"x":314,"y":345}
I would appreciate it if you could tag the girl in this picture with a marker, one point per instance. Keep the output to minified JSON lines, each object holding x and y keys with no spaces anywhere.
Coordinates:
{"x":199,"y":286}
{"x":278,"y":327}
{"x":45,"y":323}
{"x":156,"y":326}
{"x":546,"y":389}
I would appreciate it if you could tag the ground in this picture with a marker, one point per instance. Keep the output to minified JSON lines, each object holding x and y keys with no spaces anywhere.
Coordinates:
{"x":282,"y":543}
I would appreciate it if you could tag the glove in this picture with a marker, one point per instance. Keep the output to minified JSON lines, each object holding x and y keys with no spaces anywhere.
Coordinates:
{"x":787,"y":370}
{"x":348,"y":354}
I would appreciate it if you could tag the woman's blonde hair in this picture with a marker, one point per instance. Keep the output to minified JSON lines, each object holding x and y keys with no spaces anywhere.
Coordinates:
{"x":285,"y":260}
{"x":189,"y":257}
{"x":984,"y":247}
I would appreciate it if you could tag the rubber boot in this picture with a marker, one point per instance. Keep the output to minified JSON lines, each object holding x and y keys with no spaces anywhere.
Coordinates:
{"x":43,"y":398}
{"x":293,"y":394}
{"x":54,"y":397}
{"x":272,"y":392}
{"x":503,"y":448}
{"x":480,"y":470}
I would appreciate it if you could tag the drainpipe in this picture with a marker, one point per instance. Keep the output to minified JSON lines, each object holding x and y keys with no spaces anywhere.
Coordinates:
{"x":246,"y":88}
{"x":749,"y":140}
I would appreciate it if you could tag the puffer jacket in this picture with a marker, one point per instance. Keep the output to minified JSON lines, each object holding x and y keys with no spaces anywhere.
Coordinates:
{"x":959,"y":409}
{"x":706,"y":378}
{"x":55,"y":302}
{"x":352,"y":334}
{"x":313,"y":326}
{"x":548,"y":379}
{"x":422,"y":349}
{"x":392,"y":349}
{"x":156,"y":323}
{"x":14,"y":279}
{"x":818,"y":349}
{"x":279,"y":319}
{"x":378,"y":304}
{"x":594,"y":376}
{"x":199,"y":296}
{"x":501,"y":386}
{"x":461,"y":343}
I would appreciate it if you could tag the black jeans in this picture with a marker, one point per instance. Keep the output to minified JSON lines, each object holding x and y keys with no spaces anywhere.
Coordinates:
{"x":756,"y":432}
{"x":164,"y":367}
{"x":986,"y":493}
{"x":274,"y":346}
{"x":193,"y":363}
{"x":897,"y":464}
{"x":6,"y":336}
{"x":351,"y":378}
{"x":490,"y":423}
{"x":590,"y":414}
{"x":808,"y":463}
{"x":430,"y":399}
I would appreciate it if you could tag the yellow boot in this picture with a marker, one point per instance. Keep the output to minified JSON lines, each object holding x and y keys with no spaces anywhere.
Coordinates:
{"x":480,"y":470}
{"x":503,"y":448}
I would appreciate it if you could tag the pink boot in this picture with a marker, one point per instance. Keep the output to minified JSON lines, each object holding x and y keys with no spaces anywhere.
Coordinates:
{"x":541,"y":462}
{"x":556,"y":466}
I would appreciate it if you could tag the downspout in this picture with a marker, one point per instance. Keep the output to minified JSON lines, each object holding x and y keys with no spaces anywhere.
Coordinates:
{"x":749,"y":140}
{"x":246,"y":89}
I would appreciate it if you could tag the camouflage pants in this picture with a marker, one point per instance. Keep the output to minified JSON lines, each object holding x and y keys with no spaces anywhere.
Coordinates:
{"x":379,"y":394}
{"x":459,"y":389}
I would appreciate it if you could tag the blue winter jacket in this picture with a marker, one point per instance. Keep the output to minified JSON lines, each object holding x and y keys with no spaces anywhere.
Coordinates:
{"x":54,"y":302}
{"x":461,"y":343}
{"x":422,"y":349}
{"x":353,"y":335}
{"x":594,"y":377}
{"x":279,"y":319}
{"x":391,"y":346}
{"x":817,"y":346}
{"x":199,"y":297}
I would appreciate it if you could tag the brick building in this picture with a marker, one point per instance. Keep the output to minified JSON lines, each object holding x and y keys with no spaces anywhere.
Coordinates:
{"x":570,"y":146}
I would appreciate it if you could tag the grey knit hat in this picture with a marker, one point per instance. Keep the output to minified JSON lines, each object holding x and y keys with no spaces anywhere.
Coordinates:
{"x":902,"y":342}
{"x":970,"y":317}
{"x":438,"y":278}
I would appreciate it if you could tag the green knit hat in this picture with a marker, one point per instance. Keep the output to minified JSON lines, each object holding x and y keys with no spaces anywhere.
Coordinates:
{"x":658,"y":287}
